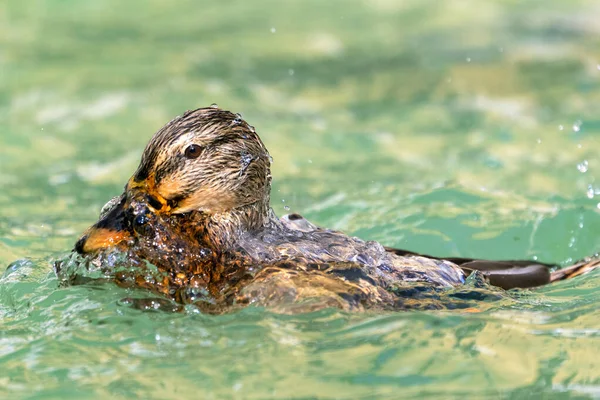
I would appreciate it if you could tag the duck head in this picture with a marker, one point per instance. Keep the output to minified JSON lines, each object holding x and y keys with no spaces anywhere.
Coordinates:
{"x":207,"y":161}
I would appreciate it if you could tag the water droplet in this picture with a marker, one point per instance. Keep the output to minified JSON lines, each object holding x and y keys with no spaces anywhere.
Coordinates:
{"x":157,"y":337}
{"x":560,"y":127}
{"x":286,"y":208}
{"x":247,"y":159}
{"x":214,"y":105}
{"x":577,"y":126}
{"x":590,"y":192}
{"x":539,"y":140}
{"x":309,"y":161}
{"x":535,"y":258}
{"x":238,"y":119}
{"x":273,"y":30}
{"x":598,"y":206}
{"x":204,"y":252}
{"x":290,"y":72}
{"x":468,"y":59}
{"x":583,"y":166}
{"x":283,"y":200}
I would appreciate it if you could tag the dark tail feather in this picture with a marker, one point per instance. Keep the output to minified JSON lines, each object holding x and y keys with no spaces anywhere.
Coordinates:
{"x":574,"y":270}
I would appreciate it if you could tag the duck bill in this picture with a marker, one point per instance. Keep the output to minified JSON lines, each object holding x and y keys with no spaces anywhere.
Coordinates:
{"x":115,"y":226}
{"x":111,"y":229}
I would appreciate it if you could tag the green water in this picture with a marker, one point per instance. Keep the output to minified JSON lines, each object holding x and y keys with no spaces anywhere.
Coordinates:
{"x":459,"y":127}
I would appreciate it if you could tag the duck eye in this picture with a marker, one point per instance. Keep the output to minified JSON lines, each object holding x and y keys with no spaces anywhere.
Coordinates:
{"x":193,"y":151}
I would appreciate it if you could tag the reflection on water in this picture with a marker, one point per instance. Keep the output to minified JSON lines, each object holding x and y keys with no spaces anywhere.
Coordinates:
{"x":462,"y":128}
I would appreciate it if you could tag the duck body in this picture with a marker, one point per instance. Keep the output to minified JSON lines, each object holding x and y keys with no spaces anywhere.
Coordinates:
{"x":286,"y":261}
{"x":194,"y":224}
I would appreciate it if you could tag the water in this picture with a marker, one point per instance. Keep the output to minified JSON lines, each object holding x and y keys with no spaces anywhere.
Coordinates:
{"x":457,"y":128}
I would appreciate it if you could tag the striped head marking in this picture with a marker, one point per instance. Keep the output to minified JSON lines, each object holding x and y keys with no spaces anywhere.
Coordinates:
{"x":208,"y":160}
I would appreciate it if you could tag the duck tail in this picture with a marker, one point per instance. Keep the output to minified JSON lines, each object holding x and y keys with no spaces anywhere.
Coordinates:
{"x":582,"y":267}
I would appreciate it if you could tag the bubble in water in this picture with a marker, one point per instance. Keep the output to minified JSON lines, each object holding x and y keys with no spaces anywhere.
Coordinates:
{"x":583,"y":166}
{"x":286,"y":208}
{"x":214,"y":105}
{"x":290,"y":72}
{"x":468,"y":59}
{"x":273,"y":30}
{"x":577,"y":126}
{"x":560,"y":127}
{"x":539,"y":140}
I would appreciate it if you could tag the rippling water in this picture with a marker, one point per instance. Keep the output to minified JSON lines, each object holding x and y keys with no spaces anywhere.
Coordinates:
{"x":455,"y":128}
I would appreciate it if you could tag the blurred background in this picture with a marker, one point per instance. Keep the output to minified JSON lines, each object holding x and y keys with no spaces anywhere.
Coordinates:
{"x":459,"y":127}
{"x":480,"y":117}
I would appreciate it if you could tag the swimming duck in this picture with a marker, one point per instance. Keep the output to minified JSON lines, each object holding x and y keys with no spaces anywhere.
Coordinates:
{"x":195,"y":224}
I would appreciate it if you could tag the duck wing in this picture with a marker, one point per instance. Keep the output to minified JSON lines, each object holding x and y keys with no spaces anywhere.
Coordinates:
{"x":507,"y":274}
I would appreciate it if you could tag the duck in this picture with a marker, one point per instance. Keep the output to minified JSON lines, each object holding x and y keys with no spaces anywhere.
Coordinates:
{"x":194,"y":225}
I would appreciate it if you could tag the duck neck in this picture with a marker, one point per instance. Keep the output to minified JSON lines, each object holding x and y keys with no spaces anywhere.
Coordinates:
{"x":225,"y":229}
